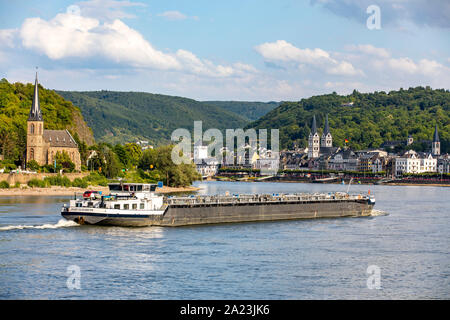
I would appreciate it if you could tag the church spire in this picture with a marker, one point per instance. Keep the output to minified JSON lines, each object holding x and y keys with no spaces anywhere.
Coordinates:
{"x":436,"y":135}
{"x":436,"y":144}
{"x":314,"y":126}
{"x":35,"y":111}
{"x":327,"y":127}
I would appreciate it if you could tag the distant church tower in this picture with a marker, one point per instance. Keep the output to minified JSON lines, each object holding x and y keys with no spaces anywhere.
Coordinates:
{"x":436,"y":145}
{"x":313,"y":141}
{"x":327,"y":139}
{"x":410,"y":140}
{"x":35,"y":129}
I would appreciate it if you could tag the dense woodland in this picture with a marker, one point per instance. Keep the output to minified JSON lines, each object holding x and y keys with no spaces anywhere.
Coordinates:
{"x":372,"y":119}
{"x":119,"y":117}
{"x":251,"y":111}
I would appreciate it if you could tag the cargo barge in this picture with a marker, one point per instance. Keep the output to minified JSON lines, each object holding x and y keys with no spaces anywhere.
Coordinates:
{"x":138,"y":205}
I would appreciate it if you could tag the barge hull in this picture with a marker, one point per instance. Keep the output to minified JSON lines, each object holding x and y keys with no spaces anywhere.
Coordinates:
{"x":185,"y":215}
{"x":176,"y":216}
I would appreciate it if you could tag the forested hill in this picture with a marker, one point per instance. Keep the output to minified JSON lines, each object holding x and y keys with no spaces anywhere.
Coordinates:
{"x":249,"y":110}
{"x":372,"y":119}
{"x":118,"y":117}
{"x":15,"y":104}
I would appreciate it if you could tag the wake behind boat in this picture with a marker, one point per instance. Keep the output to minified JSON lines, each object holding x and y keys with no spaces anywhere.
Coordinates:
{"x":137,"y":205}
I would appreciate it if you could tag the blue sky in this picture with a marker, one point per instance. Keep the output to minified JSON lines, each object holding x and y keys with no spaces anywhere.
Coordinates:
{"x":226,"y":50}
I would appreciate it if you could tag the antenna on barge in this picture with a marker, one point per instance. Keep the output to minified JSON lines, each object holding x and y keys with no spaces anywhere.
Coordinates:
{"x":349,"y":183}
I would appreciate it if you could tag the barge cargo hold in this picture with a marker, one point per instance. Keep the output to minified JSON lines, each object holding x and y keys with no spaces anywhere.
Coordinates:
{"x":138,"y":205}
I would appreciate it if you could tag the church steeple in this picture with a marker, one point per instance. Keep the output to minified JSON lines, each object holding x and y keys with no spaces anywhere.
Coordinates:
{"x":436,"y":135}
{"x":313,"y":141}
{"x":327,"y":127}
{"x":314,"y":126}
{"x":327,"y":139}
{"x":436,"y":144}
{"x":35,"y":111}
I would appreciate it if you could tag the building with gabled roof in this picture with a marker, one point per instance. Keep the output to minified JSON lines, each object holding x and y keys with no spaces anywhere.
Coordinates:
{"x":42,"y":145}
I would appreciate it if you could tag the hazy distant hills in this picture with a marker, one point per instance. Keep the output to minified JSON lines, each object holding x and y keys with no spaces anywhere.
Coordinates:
{"x":365,"y":119}
{"x":119,"y":117}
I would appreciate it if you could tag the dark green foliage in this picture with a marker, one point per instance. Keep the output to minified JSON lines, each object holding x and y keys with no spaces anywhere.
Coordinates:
{"x":79,"y":183}
{"x":63,"y":160}
{"x":96,"y":179}
{"x":4,"y":184}
{"x":249,"y":110}
{"x":164,"y":169}
{"x":112,"y":164}
{"x":8,"y":165}
{"x":58,"y":180}
{"x":120,"y":117}
{"x":373,"y":119}
{"x":38,"y":183}
{"x":33,"y":165}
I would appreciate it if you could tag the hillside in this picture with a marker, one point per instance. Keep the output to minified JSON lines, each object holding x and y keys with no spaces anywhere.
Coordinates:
{"x":119,"y":117}
{"x":249,"y":110}
{"x":15,"y":103}
{"x":372,"y":119}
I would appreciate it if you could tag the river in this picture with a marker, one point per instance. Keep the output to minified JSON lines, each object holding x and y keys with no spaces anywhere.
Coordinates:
{"x":407,"y":243}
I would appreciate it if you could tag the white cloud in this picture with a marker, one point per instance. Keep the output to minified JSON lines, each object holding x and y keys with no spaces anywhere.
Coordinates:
{"x":405,"y":65}
{"x":69,"y":36}
{"x":283,"y":51}
{"x":425,"y":67}
{"x":344,"y":68}
{"x":370,"y":49}
{"x":173,"y":15}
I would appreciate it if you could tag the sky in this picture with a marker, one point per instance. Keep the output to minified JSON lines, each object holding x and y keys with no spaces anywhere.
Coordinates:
{"x":253,"y":50}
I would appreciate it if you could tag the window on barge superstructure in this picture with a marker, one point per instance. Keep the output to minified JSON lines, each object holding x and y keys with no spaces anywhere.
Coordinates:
{"x":115,"y":187}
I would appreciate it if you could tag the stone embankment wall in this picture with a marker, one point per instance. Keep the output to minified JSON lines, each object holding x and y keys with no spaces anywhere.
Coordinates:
{"x":23,"y":178}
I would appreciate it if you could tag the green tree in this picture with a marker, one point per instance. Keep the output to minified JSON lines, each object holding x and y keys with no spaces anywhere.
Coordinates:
{"x":163,"y":167}
{"x":134,"y":153}
{"x":122,"y":154}
{"x":33,"y":165}
{"x":63,"y":159}
{"x":112,"y":164}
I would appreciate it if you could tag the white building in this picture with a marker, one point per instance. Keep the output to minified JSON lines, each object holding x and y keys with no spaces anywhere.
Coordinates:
{"x":207,"y":167}
{"x":200,"y":151}
{"x":413,"y":162}
{"x":344,"y":160}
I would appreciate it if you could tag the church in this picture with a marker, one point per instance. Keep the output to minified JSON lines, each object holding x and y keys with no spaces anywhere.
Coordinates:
{"x":319,"y":145}
{"x":42,"y":145}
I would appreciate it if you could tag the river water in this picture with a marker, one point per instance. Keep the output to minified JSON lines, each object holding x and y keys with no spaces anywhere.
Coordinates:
{"x":407,"y":244}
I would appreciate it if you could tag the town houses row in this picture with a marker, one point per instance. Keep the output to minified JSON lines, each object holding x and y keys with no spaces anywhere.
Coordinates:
{"x":320,"y":154}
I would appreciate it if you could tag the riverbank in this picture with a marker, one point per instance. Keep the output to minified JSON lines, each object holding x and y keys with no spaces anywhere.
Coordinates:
{"x":355,"y":181}
{"x":70,"y":191}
